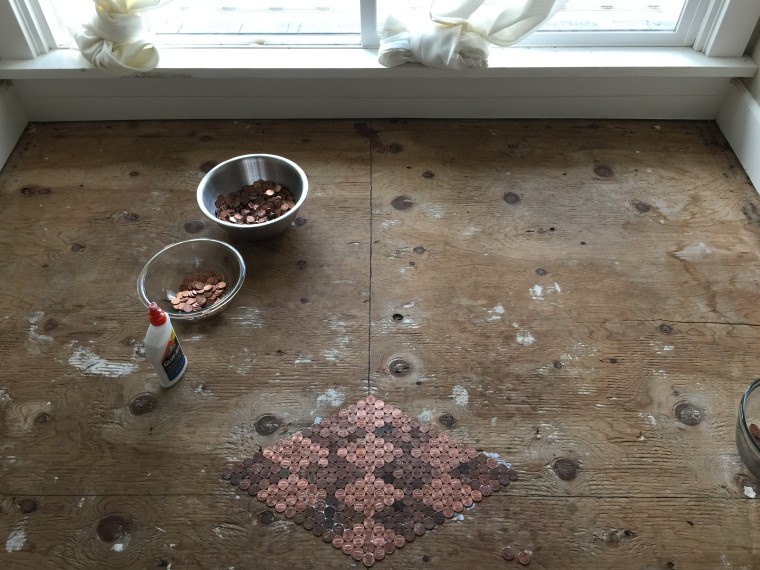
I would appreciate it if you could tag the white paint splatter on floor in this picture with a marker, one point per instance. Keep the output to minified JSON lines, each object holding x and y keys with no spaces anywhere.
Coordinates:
{"x":331,"y":354}
{"x":523,"y":337}
{"x":496,"y":313}
{"x":303,"y":359}
{"x":460,"y":395}
{"x":695,"y":251}
{"x":425,"y":415}
{"x":749,"y":492}
{"x":16,"y":539}
{"x":248,"y":316}
{"x":338,"y":326}
{"x":537,"y":292}
{"x":118,"y":547}
{"x":331,"y":396}
{"x":90,"y":363}
{"x":35,"y":337}
{"x":435,"y":211}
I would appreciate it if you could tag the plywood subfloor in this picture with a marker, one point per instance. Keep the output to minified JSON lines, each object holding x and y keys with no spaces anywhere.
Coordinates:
{"x":580,"y":298}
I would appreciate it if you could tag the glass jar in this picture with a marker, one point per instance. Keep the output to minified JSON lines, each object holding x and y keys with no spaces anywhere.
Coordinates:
{"x":749,"y":415}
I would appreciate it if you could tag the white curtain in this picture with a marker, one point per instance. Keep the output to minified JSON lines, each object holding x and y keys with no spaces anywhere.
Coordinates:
{"x":459,"y":33}
{"x":116,"y":41}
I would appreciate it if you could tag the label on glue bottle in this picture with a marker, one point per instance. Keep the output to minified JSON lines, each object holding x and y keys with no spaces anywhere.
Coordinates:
{"x":174,"y":360}
{"x":162,"y":347}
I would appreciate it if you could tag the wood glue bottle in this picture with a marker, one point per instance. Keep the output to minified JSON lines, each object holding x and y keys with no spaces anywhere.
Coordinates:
{"x":162,"y":347}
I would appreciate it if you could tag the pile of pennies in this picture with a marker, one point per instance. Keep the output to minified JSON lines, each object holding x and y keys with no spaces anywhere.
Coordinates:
{"x":198,"y":291}
{"x":369,"y":478}
{"x":257,"y":203}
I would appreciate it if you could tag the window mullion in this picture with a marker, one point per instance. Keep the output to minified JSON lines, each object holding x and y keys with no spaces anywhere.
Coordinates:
{"x":23,"y":29}
{"x":727,"y":28}
{"x":368,"y":14}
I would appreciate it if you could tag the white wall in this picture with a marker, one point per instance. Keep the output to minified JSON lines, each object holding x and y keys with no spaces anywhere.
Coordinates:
{"x":739,"y":117}
{"x":754,"y":50}
{"x":12,"y":120}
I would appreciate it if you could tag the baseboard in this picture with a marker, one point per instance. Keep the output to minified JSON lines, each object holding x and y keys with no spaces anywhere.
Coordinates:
{"x":13,"y":120}
{"x":739,"y":119}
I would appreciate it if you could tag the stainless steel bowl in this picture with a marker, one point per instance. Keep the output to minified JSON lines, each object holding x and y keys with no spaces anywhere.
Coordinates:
{"x":748,"y":444}
{"x":231,"y":175}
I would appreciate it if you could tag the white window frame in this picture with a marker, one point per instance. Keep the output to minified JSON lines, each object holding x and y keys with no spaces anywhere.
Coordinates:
{"x":685,"y":35}
{"x":722,"y":31}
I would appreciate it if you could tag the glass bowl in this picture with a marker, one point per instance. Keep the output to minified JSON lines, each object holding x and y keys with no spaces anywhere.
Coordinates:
{"x":163,"y":276}
{"x":748,"y":443}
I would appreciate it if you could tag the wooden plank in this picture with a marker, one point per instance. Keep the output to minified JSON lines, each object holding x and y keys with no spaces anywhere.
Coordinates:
{"x":228,"y":530}
{"x":608,"y":373}
{"x":292,"y":345}
{"x":569,"y":290}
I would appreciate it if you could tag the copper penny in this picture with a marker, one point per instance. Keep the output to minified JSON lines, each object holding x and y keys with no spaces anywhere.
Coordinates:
{"x":524,"y":557}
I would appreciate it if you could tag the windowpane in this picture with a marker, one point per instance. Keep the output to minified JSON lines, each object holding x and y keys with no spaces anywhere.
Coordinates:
{"x":294,"y":21}
{"x":589,"y":22}
{"x":338,"y":22}
{"x":229,"y":22}
{"x":611,"y":15}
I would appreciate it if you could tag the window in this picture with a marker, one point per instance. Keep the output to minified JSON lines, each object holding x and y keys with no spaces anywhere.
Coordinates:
{"x":340,"y":22}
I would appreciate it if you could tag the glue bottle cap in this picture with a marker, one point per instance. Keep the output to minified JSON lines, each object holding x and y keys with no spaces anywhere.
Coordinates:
{"x":156,"y":315}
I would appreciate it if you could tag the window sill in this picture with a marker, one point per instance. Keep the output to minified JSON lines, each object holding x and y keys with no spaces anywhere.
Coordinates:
{"x":357,"y":63}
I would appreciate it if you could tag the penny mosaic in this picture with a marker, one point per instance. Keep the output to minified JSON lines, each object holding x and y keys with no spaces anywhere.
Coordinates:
{"x":369,"y":479}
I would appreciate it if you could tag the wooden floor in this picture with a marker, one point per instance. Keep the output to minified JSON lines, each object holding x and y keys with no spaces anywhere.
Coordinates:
{"x":582,"y":299}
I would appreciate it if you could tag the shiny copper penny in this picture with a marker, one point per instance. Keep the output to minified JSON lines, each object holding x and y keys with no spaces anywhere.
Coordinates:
{"x":524,"y":557}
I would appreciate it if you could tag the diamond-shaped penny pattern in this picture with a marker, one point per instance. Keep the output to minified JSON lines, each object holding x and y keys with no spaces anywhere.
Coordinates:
{"x":369,"y":478}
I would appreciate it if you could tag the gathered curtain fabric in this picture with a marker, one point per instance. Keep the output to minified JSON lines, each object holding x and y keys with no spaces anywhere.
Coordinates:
{"x":116,"y":39}
{"x":458,"y":33}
